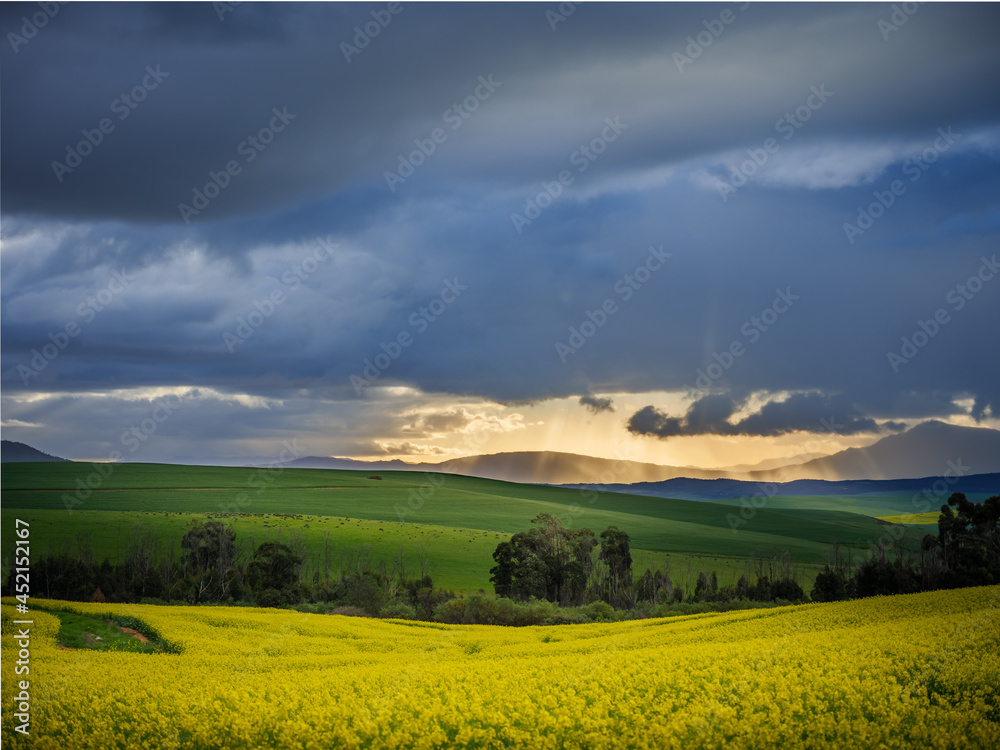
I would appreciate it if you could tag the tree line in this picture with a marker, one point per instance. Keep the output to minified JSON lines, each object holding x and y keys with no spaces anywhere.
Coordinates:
{"x":965,"y":552}
{"x":557,"y":564}
{"x":213,"y":568}
{"x":546,"y":575}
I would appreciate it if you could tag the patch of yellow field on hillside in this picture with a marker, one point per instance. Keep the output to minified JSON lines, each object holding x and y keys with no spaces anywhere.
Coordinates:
{"x":913,"y":518}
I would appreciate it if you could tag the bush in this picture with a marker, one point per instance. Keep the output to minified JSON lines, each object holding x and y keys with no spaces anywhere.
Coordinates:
{"x":788,"y":590}
{"x":600,"y":612}
{"x":427,"y":600}
{"x":568,"y":616}
{"x":398,"y":611}
{"x":478,"y":609}
{"x":270,"y":598}
{"x":536,"y":611}
{"x":364,"y":591}
{"x":829,"y":586}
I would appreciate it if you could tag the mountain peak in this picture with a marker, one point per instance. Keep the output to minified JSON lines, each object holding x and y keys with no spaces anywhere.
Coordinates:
{"x":929,"y":448}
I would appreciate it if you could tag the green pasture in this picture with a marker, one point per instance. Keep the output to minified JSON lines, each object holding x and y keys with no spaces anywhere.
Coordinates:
{"x":453,"y":522}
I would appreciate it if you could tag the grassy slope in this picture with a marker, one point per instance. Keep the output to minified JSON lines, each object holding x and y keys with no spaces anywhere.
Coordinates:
{"x":79,"y":631}
{"x":875,"y":505}
{"x":459,"y":522}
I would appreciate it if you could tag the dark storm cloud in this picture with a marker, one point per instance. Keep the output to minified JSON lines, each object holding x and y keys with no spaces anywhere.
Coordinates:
{"x":710,"y":415}
{"x":353,"y":119}
{"x":597,"y":404}
{"x":323,"y":175}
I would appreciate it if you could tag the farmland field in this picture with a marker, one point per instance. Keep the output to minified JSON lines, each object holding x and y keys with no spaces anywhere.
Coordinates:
{"x":908,"y":671}
{"x":456,"y":520}
{"x":879,"y":505}
{"x":914,"y":519}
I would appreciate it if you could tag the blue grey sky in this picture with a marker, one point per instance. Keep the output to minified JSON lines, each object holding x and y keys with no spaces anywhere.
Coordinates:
{"x":419,"y":230}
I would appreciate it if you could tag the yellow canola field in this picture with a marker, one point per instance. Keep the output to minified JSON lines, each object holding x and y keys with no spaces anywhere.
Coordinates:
{"x":915,"y":519}
{"x":896,"y":672}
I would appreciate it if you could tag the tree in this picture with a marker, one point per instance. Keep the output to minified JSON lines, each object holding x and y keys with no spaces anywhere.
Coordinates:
{"x":786,"y":588}
{"x":208,"y":555}
{"x":829,"y":586}
{"x":970,"y":540}
{"x":701,"y":588}
{"x":548,"y":561}
{"x":650,"y":585}
{"x":366,"y":591}
{"x":274,"y":566}
{"x":140,"y":551}
{"x":204,"y":540}
{"x":615,"y":553}
{"x":502,"y":574}
{"x":743,"y":588}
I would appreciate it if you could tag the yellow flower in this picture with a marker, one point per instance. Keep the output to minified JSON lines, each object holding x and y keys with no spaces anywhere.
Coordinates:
{"x":899,"y":672}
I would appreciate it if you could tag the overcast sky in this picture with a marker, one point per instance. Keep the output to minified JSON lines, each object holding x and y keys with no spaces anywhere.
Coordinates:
{"x":681,"y":233}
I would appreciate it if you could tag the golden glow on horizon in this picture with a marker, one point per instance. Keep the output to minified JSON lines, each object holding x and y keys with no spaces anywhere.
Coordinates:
{"x":416,"y":427}
{"x":563,"y":425}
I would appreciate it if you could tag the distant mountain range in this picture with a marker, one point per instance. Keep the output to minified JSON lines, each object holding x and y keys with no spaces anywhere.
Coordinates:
{"x":928,"y":449}
{"x":921,"y":451}
{"x":11,"y":451}
{"x":724,"y":489}
{"x":532,"y":467}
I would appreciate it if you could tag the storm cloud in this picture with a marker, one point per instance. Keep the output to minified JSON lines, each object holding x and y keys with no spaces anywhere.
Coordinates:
{"x":803,"y":412}
{"x":272,"y":204}
{"x":597,"y":404}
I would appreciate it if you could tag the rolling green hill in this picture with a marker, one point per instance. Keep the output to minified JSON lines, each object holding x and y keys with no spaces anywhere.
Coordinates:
{"x":455,"y":521}
{"x":875,"y":505}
